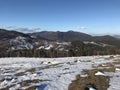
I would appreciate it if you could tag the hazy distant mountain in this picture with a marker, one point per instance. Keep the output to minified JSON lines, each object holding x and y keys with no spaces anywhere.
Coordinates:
{"x":116,"y":36}
{"x":108,"y":40}
{"x":6,"y":35}
{"x":63,"y":36}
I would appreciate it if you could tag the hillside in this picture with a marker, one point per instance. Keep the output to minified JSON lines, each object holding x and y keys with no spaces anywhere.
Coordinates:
{"x":14,"y":40}
{"x":76,"y":36}
{"x":7,"y":35}
{"x":63,"y":36}
{"x":56,"y":44}
{"x":108,"y":40}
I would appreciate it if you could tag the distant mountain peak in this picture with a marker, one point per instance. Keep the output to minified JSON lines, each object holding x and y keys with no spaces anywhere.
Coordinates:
{"x":63,"y":36}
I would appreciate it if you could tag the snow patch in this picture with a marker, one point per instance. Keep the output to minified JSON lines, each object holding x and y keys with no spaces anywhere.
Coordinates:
{"x":100,"y":73}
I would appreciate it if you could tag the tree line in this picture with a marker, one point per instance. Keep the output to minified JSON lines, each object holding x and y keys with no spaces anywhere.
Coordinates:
{"x":56,"y":53}
{"x":77,"y":49}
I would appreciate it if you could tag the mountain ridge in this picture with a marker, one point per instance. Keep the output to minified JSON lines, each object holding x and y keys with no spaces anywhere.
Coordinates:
{"x":56,"y":36}
{"x":62,"y":36}
{"x":56,"y":44}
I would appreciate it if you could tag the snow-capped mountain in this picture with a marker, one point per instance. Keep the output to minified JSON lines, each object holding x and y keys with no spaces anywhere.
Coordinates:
{"x":13,"y":40}
{"x":21,"y":43}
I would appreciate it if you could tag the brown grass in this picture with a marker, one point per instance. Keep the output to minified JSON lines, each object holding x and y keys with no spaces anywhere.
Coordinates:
{"x":39,"y":68}
{"x":101,"y":82}
{"x":31,"y":88}
{"x":110,"y":57}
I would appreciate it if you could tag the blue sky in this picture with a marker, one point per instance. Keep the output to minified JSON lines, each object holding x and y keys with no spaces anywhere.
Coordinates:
{"x":89,"y":16}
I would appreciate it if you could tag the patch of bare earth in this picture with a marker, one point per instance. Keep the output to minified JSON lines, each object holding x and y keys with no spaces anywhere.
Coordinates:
{"x":100,"y":82}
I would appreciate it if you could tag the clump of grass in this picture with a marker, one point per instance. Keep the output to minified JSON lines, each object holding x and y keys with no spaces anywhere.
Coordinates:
{"x":85,"y":60}
{"x":106,"y":65}
{"x":110,"y":69}
{"x":66,"y":73}
{"x":71,"y":63}
{"x":2,"y":80}
{"x":31,"y":70}
{"x":19,"y":74}
{"x":101,"y":82}
{"x":7,"y":88}
{"x":31,"y":88}
{"x":75,"y":60}
{"x":110,"y":57}
{"x":27,"y":82}
{"x":66,"y":69}
{"x":39,"y":68}
{"x":117,"y":62}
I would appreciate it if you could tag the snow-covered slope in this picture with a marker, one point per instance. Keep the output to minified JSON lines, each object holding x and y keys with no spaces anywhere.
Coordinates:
{"x":21,"y":43}
{"x":51,"y":73}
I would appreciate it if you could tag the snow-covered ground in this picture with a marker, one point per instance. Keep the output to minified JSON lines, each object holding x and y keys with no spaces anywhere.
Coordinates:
{"x":53,"y":73}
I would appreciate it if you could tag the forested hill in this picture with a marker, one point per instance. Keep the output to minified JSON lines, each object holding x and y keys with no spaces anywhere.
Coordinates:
{"x":56,"y":44}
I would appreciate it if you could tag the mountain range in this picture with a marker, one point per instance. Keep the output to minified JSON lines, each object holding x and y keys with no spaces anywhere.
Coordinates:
{"x":13,"y":40}
{"x":63,"y":36}
{"x":77,"y":36}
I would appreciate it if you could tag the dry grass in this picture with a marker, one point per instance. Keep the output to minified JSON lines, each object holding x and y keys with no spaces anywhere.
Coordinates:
{"x":111,"y":69}
{"x":39,"y":68}
{"x":106,"y":65}
{"x":7,"y":88}
{"x":19,"y":74}
{"x":66,"y":73}
{"x":118,"y":62}
{"x":2,"y":80}
{"x":110,"y":57}
{"x":31,"y":88}
{"x":28,"y":83}
{"x":100,"y":82}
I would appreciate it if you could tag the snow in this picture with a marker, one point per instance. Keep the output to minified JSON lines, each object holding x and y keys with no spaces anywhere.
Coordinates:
{"x":15,"y":87}
{"x":84,"y":75}
{"x":55,"y":73}
{"x":92,"y":88}
{"x":21,"y":43}
{"x":99,"y":73}
{"x":115,"y":82}
{"x":117,"y":69}
{"x":49,"y":47}
{"x":41,"y":47}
